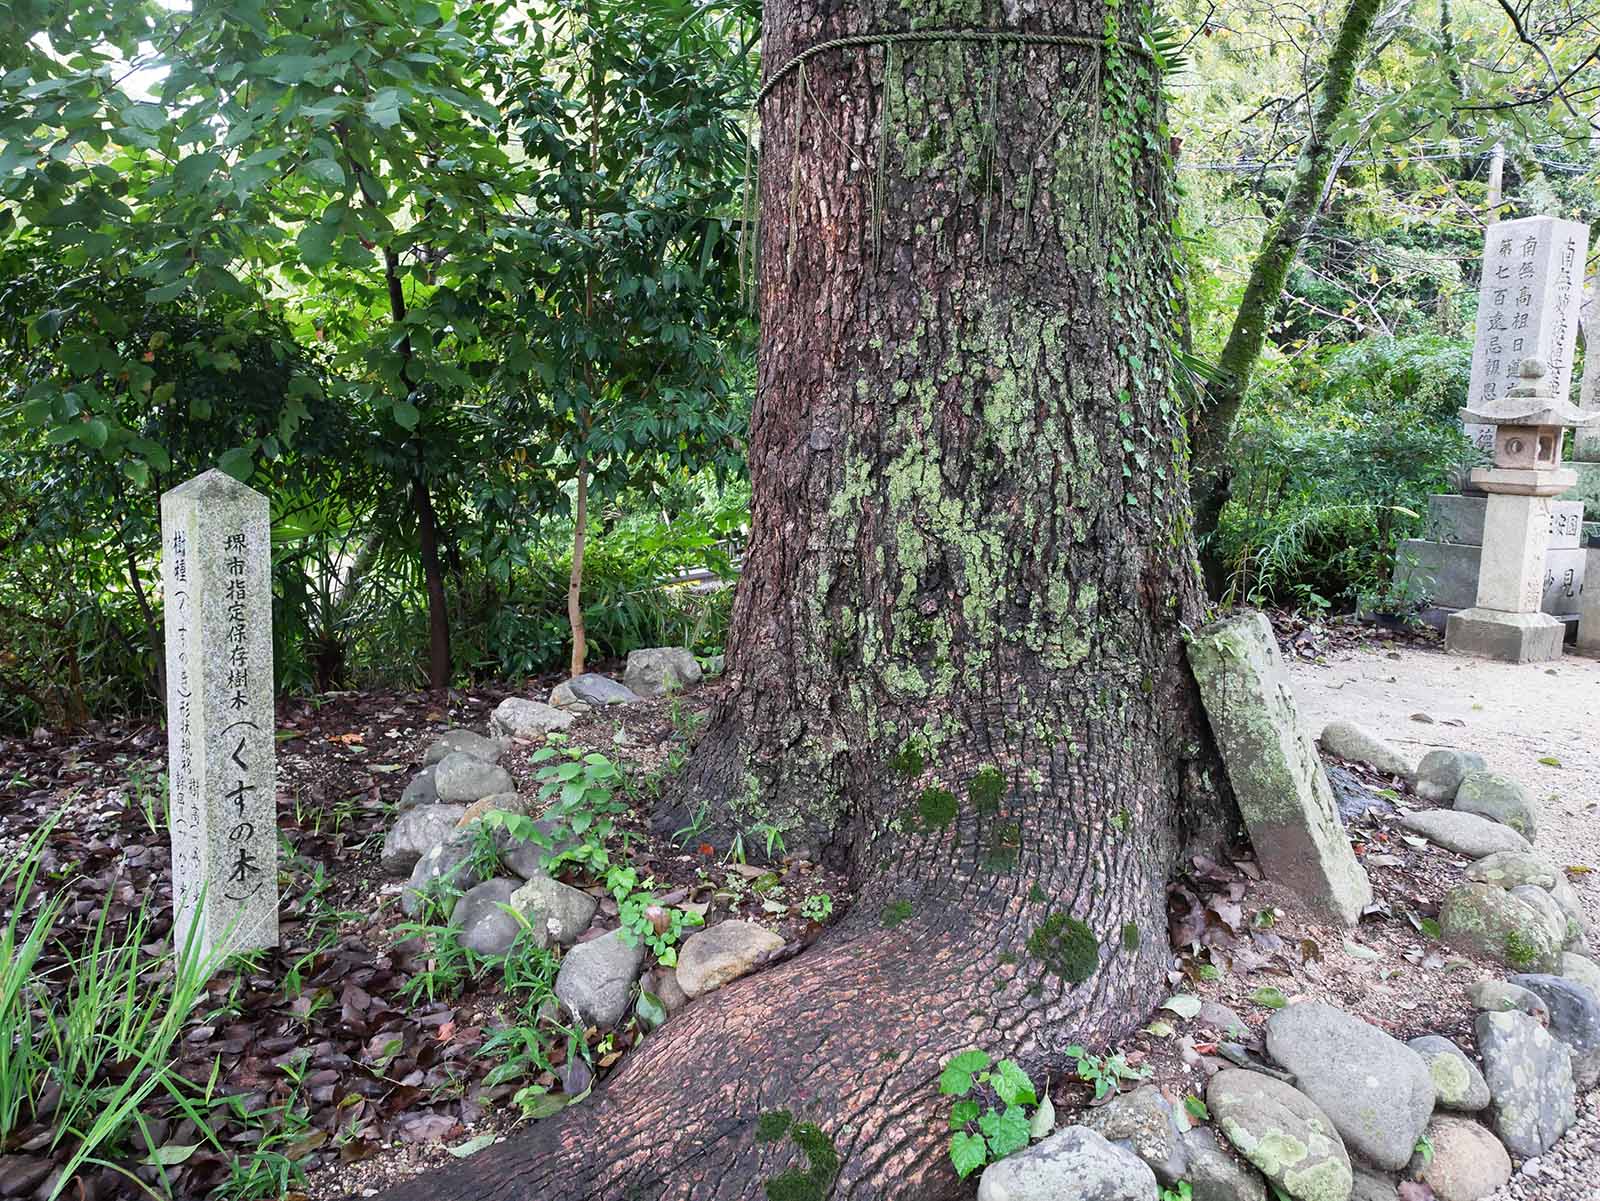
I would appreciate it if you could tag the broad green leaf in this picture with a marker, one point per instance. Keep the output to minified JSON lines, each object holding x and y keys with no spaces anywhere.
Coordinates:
{"x":1012,"y":1084}
{"x":325,"y":170}
{"x":1270,"y":997}
{"x":968,"y":1153}
{"x":1185,"y":1005}
{"x":962,"y":1112}
{"x":956,"y":1078}
{"x":238,"y":462}
{"x":315,"y":243}
{"x":650,"y":1009}
{"x":93,"y":433}
{"x":1043,"y":1120}
{"x":1005,"y":1130}
{"x":406,"y":414}
{"x":172,"y":1155}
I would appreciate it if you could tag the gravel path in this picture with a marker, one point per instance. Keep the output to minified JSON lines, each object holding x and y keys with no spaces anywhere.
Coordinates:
{"x":1513,"y":715}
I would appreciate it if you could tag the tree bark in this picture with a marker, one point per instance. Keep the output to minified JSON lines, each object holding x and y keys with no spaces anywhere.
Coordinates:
{"x":957,"y":663}
{"x":1211,"y":473}
{"x":580,"y":534}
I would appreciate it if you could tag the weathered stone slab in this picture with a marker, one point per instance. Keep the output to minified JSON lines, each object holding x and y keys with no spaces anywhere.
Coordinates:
{"x":216,"y":570}
{"x":1276,"y":773}
{"x":1447,"y":573}
{"x":1459,"y":519}
{"x":1530,"y":1081}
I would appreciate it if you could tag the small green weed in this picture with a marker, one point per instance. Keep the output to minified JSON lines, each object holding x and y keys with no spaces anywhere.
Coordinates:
{"x":989,"y":1118}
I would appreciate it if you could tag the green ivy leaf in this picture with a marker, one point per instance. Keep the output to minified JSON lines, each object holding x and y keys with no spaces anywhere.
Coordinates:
{"x":968,"y":1152}
{"x":963,"y":1112}
{"x":1270,"y":997}
{"x":1013,"y":1085}
{"x":1005,"y":1131}
{"x":956,"y":1078}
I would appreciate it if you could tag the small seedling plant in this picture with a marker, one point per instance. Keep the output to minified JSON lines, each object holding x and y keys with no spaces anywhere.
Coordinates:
{"x":1104,"y":1072}
{"x":989,"y":1119}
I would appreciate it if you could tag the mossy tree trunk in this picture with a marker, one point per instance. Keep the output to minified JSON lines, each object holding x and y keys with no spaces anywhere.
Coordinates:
{"x":1213,"y":425}
{"x":957,"y":665}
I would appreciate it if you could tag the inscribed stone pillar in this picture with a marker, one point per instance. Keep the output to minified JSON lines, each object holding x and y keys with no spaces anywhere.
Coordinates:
{"x":217,"y":583}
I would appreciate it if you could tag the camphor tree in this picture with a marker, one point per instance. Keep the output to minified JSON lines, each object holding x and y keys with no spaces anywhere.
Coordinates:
{"x":957,"y":662}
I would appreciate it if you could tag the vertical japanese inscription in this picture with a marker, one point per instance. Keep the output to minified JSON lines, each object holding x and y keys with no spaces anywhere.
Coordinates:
{"x":223,"y":813}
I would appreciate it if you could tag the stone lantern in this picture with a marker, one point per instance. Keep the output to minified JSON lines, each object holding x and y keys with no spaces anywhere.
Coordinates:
{"x":1506,"y":621}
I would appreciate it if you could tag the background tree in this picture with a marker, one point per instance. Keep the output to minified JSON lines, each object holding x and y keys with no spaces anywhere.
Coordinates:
{"x":957,"y":662}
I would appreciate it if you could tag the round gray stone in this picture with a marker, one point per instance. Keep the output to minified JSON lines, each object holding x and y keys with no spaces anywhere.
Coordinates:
{"x":1214,"y":1175}
{"x":557,"y":912}
{"x":463,"y":778}
{"x":592,"y":689}
{"x":714,"y":956}
{"x":596,"y":978}
{"x":465,"y":742}
{"x":1499,"y":798}
{"x":1457,"y":1082}
{"x":1075,"y":1162}
{"x":481,"y":915}
{"x":1574,"y":1019}
{"x":655,"y":671}
{"x":1492,"y":922}
{"x":450,"y":868}
{"x":1468,"y":1163}
{"x":1581,"y":970}
{"x":420,"y":791}
{"x":525,"y":856}
{"x":1143,"y":1122}
{"x":416,"y":832}
{"x":518,"y":717}
{"x":1283,"y":1133}
{"x":1555,"y":921}
{"x":1441,"y":771}
{"x":1376,"y":1090}
{"x":1464,"y":833}
{"x":1372,"y":1185}
{"x":1497,"y":996}
{"x":1346,"y":740}
{"x":1510,"y":869}
{"x":1532,"y":1099}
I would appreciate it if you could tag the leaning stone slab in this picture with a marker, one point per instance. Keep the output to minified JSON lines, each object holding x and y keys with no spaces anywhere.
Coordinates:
{"x":1500,"y":996}
{"x":1500,"y":799}
{"x":1457,"y":1082}
{"x":1283,"y":1133}
{"x":1276,"y":773}
{"x":1530,"y":1082}
{"x":1348,"y":741}
{"x":1075,"y":1162}
{"x":421,"y":790}
{"x":1574,"y":1019}
{"x":1464,"y":833}
{"x":658,"y":670}
{"x":1492,"y":922}
{"x":714,"y":956}
{"x":466,"y":742}
{"x":1375,"y":1090}
{"x":1555,"y":921}
{"x":447,"y":870}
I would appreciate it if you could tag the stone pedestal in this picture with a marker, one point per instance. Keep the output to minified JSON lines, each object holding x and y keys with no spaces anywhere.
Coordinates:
{"x":1589,"y":614}
{"x":1505,"y":622}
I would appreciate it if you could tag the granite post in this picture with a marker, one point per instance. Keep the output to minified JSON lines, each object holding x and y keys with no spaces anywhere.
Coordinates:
{"x":217,"y":583}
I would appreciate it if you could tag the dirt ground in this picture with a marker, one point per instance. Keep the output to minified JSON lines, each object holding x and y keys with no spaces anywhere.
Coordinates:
{"x":1535,"y":722}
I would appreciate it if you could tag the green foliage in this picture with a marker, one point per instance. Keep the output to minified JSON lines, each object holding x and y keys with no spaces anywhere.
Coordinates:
{"x":818,"y":907}
{"x":995,"y":1101}
{"x":1333,"y":466}
{"x":1106,"y":1073}
{"x":1179,"y":1192}
{"x":1522,"y":952}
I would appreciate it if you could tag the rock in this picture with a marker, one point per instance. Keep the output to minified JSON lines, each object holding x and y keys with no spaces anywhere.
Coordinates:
{"x":1581,"y":970}
{"x":1352,"y":798}
{"x":711,"y":957}
{"x":1497,"y":996}
{"x":1457,"y":1082}
{"x":1468,"y":1162}
{"x":1566,"y":896}
{"x":1075,"y":1162}
{"x":525,"y":856}
{"x":1510,"y":869}
{"x":659,"y":670}
{"x":1283,"y":1133}
{"x":451,"y":867}
{"x":1530,"y":1082}
{"x":1372,"y":1185}
{"x":1221,"y":1019}
{"x":1499,"y":798}
{"x":1440,"y":773}
{"x":1214,"y":1175}
{"x":1143,"y":1122}
{"x":481,"y":914}
{"x":1275,"y":771}
{"x":1376,"y":1091}
{"x":419,"y":792}
{"x":416,"y":832}
{"x":500,"y":802}
{"x":663,"y":982}
{"x":1348,"y":741}
{"x":461,"y":778}
{"x":464,"y":742}
{"x":1490,"y":921}
{"x":557,"y":912}
{"x":1464,"y":833}
{"x":1555,"y":921}
{"x":1574,"y":1019}
{"x":593,"y":689}
{"x":518,"y":717}
{"x":597,"y":976}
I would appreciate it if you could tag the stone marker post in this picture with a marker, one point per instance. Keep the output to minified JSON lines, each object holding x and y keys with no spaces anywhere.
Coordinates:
{"x":217,"y":582}
{"x":1586,"y":442}
{"x":1528,"y":305}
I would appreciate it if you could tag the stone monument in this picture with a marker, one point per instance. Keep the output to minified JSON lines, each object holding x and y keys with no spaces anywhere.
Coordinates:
{"x":1529,"y":423}
{"x":1586,"y":442}
{"x":217,"y":583}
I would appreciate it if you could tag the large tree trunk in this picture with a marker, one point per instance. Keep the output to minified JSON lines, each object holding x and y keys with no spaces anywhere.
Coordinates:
{"x":1213,"y":426}
{"x":957,"y":662}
